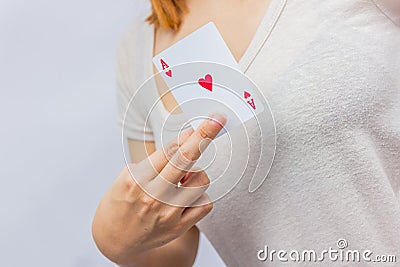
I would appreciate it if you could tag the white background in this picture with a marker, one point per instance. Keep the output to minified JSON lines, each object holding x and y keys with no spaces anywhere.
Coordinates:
{"x":60,"y":147}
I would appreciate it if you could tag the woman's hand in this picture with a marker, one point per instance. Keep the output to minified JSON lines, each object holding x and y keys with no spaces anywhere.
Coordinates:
{"x":149,"y":210}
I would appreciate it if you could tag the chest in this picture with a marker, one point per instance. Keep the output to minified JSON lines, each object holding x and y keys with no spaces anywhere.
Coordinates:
{"x":331,"y":77}
{"x":327,"y":77}
{"x":237,"y":22}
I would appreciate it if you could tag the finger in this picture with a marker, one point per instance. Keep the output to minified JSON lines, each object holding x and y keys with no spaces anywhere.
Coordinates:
{"x":191,"y":150}
{"x":158,"y":159}
{"x":195,"y":185}
{"x":183,"y":196}
{"x":192,"y":215}
{"x":196,"y":177}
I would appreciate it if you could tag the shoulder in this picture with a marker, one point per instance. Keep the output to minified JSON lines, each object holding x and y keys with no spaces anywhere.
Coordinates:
{"x":134,"y":51}
{"x":134,"y":36}
{"x":136,"y":30}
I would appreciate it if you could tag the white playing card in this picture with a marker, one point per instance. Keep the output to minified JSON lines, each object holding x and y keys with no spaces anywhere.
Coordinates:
{"x":206,"y":88}
{"x":214,"y":84}
{"x":203,"y":45}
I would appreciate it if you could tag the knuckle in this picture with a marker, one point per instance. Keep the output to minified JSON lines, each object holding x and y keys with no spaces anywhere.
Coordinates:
{"x":186,"y":155}
{"x":183,"y":136}
{"x":147,"y":201}
{"x":132,"y":190}
{"x":171,"y":149}
{"x":204,"y":133}
{"x":167,"y":216}
{"x":148,"y":204}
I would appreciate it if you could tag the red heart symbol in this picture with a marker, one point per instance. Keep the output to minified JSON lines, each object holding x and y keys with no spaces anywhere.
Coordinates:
{"x":206,"y":82}
{"x":169,"y":73}
{"x":246,"y":94}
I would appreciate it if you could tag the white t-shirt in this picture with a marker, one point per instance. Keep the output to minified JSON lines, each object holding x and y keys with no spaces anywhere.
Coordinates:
{"x":330,"y":72}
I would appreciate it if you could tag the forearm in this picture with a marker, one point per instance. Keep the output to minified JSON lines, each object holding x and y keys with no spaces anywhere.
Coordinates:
{"x":180,"y":252}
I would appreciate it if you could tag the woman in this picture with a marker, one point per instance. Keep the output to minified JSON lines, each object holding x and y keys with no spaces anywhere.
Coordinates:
{"x":329,"y":70}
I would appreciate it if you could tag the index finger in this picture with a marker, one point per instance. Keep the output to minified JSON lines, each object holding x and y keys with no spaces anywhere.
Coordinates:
{"x":191,"y":149}
{"x":151,"y":166}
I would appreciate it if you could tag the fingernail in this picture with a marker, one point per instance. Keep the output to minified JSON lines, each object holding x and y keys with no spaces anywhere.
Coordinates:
{"x":218,"y":119}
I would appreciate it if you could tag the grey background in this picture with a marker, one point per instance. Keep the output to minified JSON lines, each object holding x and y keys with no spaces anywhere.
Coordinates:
{"x":59,"y":144}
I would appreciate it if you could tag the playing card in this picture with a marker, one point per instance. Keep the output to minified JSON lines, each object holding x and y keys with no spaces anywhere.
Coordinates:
{"x":203,"y":45}
{"x":205,"y":78}
{"x":206,"y":88}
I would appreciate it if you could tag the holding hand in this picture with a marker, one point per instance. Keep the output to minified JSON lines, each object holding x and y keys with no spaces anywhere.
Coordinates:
{"x":149,"y":210}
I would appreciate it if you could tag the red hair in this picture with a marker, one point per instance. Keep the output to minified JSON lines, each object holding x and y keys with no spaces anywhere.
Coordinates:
{"x":167,"y":14}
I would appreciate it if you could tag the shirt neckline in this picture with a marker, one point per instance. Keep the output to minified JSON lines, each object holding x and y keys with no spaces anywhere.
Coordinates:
{"x":263,"y":32}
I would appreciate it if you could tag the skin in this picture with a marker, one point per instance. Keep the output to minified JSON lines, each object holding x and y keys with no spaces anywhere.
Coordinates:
{"x":129,"y":224}
{"x":237,"y":21}
{"x":133,"y":229}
